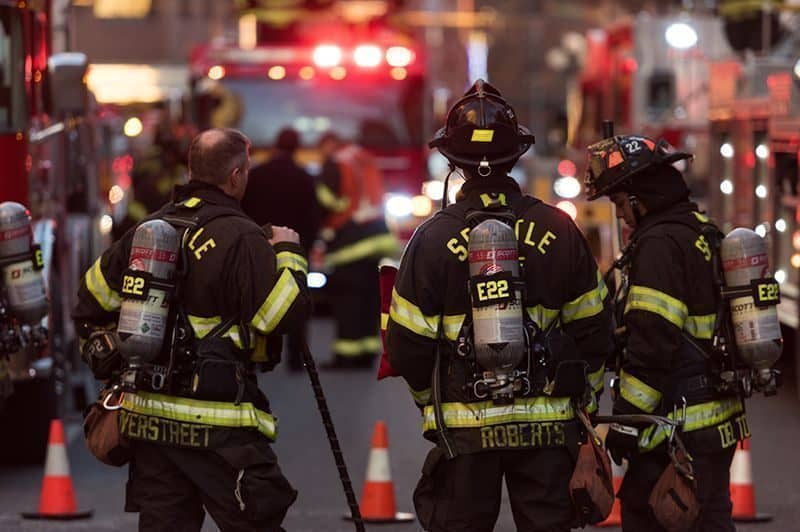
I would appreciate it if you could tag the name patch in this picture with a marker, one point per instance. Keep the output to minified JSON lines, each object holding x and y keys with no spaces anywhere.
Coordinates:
{"x":524,"y":435}
{"x":159,"y":430}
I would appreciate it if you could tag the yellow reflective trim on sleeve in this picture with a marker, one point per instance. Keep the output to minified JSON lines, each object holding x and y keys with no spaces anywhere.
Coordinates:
{"x":202,"y":326}
{"x":452,"y":325}
{"x":329,"y":200}
{"x":541,"y":316}
{"x":486,"y":413}
{"x":96,"y":283}
{"x":421,"y":397}
{"x":373,"y":246}
{"x":651,"y":300}
{"x":215,"y":413}
{"x":587,"y":305}
{"x":345,"y":347}
{"x":637,"y":393}
{"x":276,"y":304}
{"x":596,"y":378}
{"x":701,"y":327}
{"x":408,"y":315}
{"x":293,"y":261}
{"x":700,"y":416}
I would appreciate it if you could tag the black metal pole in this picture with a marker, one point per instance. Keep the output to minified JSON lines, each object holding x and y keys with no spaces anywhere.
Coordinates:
{"x":327,"y":421}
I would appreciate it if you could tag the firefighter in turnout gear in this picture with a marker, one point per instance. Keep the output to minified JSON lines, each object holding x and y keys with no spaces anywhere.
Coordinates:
{"x":488,"y":420}
{"x":350,"y":189}
{"x":200,"y":431}
{"x":666,"y":312}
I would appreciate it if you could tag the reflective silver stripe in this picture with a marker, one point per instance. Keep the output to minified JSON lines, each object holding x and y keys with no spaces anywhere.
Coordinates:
{"x":698,"y":417}
{"x":638,"y":393}
{"x":587,"y":305}
{"x":452,"y":325}
{"x":97,"y":285}
{"x":701,"y":327}
{"x":276,"y":304}
{"x":408,"y":315}
{"x":484,"y":413}
{"x":215,"y":413}
{"x":596,"y":378}
{"x":291,"y":260}
{"x":421,"y":397}
{"x":541,"y":316}
{"x":651,"y":300}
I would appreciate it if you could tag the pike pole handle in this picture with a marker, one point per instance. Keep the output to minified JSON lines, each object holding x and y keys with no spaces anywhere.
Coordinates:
{"x":327,"y":421}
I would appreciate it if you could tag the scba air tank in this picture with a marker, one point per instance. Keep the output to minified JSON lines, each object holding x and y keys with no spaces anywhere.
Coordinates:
{"x":23,"y":283}
{"x":498,"y":327}
{"x":757,"y":331}
{"x":143,"y":317}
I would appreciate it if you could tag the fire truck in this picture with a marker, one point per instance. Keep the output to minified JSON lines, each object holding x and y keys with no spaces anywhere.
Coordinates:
{"x":362,"y":79}
{"x":649,"y":74}
{"x":49,"y":151}
{"x":754,"y":120}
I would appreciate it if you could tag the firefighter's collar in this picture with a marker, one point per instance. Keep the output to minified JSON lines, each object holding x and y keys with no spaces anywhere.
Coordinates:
{"x":206,"y":192}
{"x":477,"y":186}
{"x":682,"y":211}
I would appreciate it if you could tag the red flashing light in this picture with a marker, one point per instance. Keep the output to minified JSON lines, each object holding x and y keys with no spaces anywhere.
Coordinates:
{"x":629,"y":65}
{"x":566,"y":168}
{"x":367,"y":56}
{"x":399,"y":56}
{"x":327,"y":55}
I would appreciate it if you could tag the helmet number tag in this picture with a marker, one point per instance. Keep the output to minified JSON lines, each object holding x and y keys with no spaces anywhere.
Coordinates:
{"x":632,"y":147}
{"x":482,"y":135}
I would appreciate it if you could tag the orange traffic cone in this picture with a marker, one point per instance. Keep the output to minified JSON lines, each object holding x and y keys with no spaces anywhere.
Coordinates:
{"x":57,"y":499}
{"x":743,"y":494}
{"x":617,"y":474}
{"x":377,"y":500}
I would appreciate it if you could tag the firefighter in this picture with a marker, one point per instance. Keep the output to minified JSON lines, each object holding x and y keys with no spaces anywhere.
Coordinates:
{"x":528,"y":435}
{"x":668,"y":308}
{"x":281,"y":192}
{"x":350,"y":190}
{"x":239,"y":290}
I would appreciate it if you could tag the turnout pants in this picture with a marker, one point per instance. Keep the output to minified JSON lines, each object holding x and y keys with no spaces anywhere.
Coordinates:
{"x":170,"y":487}
{"x":712,"y":471}
{"x":463,"y":494}
{"x":356,"y":309}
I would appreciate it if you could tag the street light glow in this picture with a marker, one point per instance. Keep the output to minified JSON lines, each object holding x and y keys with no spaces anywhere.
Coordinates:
{"x":133,"y":127}
{"x":726,"y":186}
{"x":367,"y":56}
{"x":761,"y":191}
{"x":567,"y":187}
{"x":726,"y":150}
{"x":327,"y":55}
{"x":681,"y":36}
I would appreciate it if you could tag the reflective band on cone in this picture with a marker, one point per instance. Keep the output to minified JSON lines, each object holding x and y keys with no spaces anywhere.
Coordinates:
{"x":377,"y":501}
{"x":57,"y":499}
{"x":617,"y":474}
{"x":743,"y":494}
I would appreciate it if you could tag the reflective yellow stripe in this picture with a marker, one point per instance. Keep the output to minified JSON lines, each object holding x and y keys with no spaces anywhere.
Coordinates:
{"x":485,"y":413}
{"x":215,"y":413}
{"x":638,"y":393}
{"x":542,"y":316}
{"x":203,"y":326}
{"x":408,"y":315}
{"x":421,"y":397}
{"x":277,"y":303}
{"x":96,"y":283}
{"x":702,"y":218}
{"x":650,"y":300}
{"x":373,"y":246}
{"x":596,"y":378}
{"x":698,"y":417}
{"x":191,"y":202}
{"x":259,"y":353}
{"x":587,"y":305}
{"x":293,"y":261}
{"x":352,"y":348}
{"x":384,"y":320}
{"x":701,"y":327}
{"x":329,"y":200}
{"x":452,"y":325}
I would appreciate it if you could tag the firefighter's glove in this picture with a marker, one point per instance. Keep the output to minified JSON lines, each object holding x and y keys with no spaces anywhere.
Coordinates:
{"x":101,"y":353}
{"x":622,"y":442}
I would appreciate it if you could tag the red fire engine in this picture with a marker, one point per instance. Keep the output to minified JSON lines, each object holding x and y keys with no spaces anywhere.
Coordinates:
{"x":363,"y":80}
{"x":47,"y":147}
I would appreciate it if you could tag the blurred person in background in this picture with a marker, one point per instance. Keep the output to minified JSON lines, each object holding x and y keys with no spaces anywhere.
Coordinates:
{"x":281,"y":192}
{"x":350,"y":190}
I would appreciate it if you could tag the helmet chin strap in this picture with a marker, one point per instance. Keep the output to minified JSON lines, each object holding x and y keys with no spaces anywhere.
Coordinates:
{"x":635,"y":207}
